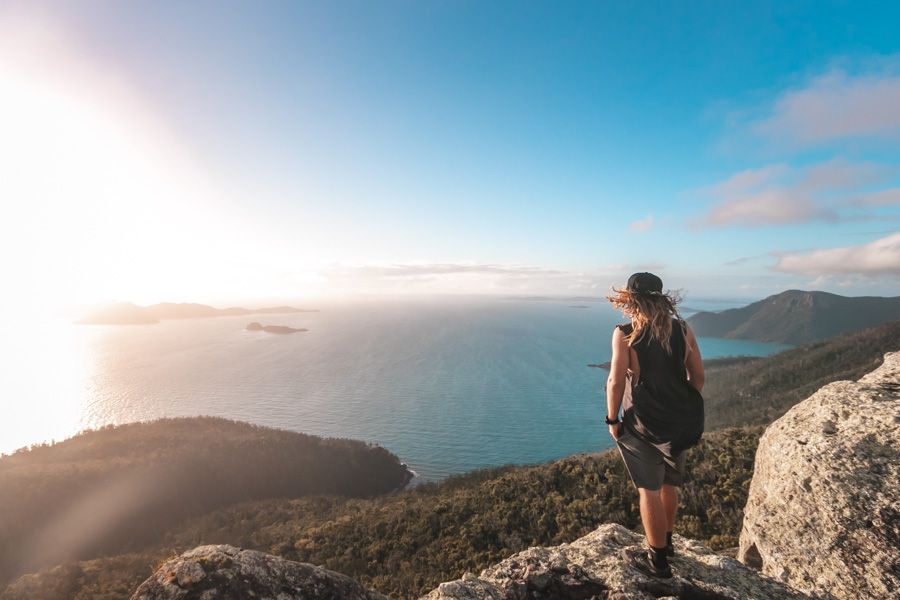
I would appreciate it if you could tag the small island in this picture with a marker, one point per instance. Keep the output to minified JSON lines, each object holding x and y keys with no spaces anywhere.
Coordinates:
{"x":273,"y":328}
{"x":125,"y":313}
{"x":578,"y":306}
{"x":605,"y":365}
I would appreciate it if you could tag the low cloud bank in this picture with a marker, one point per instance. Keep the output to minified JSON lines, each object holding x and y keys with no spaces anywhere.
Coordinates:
{"x":878,"y":257}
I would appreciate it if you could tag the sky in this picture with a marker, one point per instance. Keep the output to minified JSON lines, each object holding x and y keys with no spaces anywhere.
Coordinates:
{"x":243,"y":152}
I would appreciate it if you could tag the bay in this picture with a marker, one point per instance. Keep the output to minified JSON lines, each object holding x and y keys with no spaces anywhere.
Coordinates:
{"x":448,"y":386}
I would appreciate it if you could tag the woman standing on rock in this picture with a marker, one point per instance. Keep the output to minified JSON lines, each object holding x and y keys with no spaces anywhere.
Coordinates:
{"x":657,"y":370}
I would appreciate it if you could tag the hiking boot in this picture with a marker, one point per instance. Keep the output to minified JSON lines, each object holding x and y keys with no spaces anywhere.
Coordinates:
{"x":670,"y":550}
{"x":640,"y":559}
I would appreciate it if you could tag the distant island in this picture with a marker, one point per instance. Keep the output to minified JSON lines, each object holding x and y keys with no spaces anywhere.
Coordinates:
{"x":577,"y":306}
{"x":274,"y":328}
{"x":708,"y":363}
{"x":797,"y":317}
{"x":557,"y":298}
{"x":126,"y":313}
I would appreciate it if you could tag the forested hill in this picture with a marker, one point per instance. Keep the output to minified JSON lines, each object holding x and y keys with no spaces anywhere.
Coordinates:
{"x":797,"y":317}
{"x":756,"y":391}
{"x":112,"y":489}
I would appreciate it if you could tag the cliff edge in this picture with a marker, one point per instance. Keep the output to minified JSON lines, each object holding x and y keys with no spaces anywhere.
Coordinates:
{"x":823,"y":511}
{"x":591,"y":567}
{"x":229,"y":573}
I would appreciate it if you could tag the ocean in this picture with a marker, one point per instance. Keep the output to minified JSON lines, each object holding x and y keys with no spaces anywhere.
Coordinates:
{"x":448,"y":386}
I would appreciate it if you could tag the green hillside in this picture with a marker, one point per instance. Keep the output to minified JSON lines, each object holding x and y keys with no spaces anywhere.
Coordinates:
{"x":759,"y":391}
{"x":118,"y":488}
{"x":797,"y":317}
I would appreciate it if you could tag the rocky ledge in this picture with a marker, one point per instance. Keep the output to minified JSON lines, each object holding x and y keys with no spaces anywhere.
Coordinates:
{"x":592,"y":567}
{"x":229,"y":573}
{"x":823,"y":511}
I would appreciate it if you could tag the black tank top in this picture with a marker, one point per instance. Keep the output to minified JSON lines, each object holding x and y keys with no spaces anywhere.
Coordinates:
{"x":662,"y":407}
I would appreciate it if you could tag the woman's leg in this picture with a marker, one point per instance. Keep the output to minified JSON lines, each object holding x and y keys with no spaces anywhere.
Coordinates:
{"x":653,"y":516}
{"x":669,"y":496}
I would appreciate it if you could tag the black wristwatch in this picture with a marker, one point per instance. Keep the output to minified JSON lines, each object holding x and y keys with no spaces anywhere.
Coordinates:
{"x":614,"y":422}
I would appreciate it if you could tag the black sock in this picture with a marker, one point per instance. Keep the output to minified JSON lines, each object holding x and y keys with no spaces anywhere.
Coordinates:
{"x":668,"y":538}
{"x":659,"y":558}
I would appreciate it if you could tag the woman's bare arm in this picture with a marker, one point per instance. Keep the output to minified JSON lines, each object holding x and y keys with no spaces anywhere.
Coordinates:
{"x":615,"y":383}
{"x":693,"y":361}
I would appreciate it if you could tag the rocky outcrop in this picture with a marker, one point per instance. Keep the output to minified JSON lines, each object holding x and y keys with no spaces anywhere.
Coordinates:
{"x":592,"y":567}
{"x":823,"y":512}
{"x":229,"y":573}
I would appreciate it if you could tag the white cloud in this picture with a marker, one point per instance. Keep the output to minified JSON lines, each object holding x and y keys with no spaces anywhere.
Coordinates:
{"x":742,"y":260}
{"x":650,"y":266}
{"x":428,"y":277}
{"x":836,"y":106}
{"x":400,"y":270}
{"x":441,"y":277}
{"x":879,"y":198}
{"x":855,"y":103}
{"x":779,"y":194}
{"x":642,"y":224}
{"x":878,"y":257}
{"x":750,"y":179}
{"x":839,"y":174}
{"x":775,"y":206}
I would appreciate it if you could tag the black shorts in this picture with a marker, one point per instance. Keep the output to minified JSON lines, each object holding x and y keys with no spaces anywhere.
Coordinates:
{"x":647,"y":466}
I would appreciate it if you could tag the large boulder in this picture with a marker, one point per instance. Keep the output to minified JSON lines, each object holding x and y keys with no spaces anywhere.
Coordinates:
{"x":823,"y":511}
{"x":591,"y":567}
{"x":229,"y":573}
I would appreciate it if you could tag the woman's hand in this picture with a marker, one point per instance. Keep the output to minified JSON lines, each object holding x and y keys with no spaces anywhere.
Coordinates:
{"x":615,"y":430}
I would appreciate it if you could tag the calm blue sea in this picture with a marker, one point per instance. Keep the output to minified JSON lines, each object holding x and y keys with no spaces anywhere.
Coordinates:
{"x":447,"y":386}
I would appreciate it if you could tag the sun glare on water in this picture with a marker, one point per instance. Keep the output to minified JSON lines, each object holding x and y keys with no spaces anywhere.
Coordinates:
{"x":46,"y":379}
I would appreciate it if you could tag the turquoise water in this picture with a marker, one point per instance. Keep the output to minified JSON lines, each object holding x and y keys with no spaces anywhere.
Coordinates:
{"x":447,"y":386}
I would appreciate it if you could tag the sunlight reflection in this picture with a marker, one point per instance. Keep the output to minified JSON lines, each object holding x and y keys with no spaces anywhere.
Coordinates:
{"x":46,"y":380}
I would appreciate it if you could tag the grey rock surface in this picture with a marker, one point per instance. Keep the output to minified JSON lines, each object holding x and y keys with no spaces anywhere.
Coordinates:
{"x":592,"y":567}
{"x":823,"y":511}
{"x":229,"y":573}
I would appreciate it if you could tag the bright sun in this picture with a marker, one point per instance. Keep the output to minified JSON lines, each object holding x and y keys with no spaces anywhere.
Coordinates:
{"x":100,"y":202}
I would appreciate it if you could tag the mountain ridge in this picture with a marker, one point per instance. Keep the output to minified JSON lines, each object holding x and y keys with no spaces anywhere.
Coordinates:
{"x":797,"y":317}
{"x":127,"y":313}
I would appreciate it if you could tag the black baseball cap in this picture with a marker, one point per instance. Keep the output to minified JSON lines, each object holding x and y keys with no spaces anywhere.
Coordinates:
{"x":644,"y":283}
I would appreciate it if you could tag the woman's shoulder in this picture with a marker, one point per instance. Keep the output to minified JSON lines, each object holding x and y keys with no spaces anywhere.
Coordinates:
{"x":626,"y":328}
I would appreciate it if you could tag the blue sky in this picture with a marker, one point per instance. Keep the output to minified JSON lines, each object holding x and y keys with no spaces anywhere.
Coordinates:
{"x":345,"y":148}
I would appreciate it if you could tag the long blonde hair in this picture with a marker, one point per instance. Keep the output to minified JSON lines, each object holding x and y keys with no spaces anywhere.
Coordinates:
{"x":651,"y":312}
